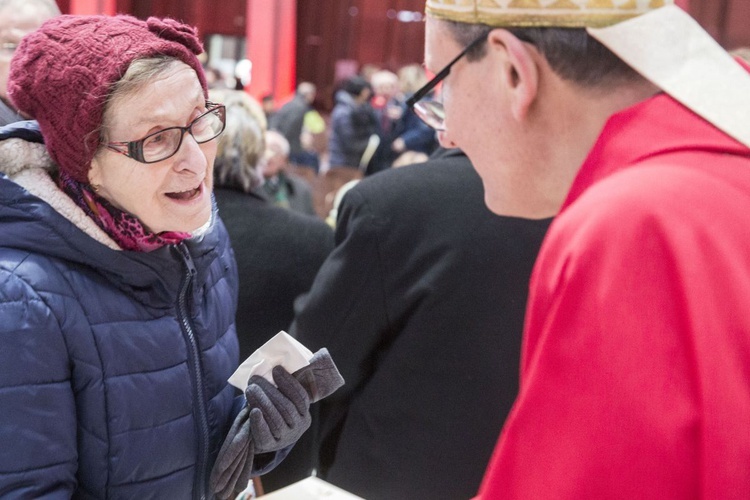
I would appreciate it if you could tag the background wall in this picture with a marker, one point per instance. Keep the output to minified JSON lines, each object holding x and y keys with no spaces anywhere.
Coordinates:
{"x":336,"y":37}
{"x":727,"y":20}
{"x":322,"y":41}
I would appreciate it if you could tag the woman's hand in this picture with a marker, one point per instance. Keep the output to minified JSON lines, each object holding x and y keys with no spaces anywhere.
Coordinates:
{"x":278,"y":415}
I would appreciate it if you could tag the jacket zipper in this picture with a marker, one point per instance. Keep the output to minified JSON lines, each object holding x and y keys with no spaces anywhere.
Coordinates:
{"x":195,"y":372}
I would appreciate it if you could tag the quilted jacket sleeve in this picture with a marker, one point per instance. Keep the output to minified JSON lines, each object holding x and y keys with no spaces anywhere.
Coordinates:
{"x":38,"y":454}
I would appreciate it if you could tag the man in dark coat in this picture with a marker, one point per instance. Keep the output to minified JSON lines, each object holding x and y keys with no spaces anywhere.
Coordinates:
{"x":421,"y":303}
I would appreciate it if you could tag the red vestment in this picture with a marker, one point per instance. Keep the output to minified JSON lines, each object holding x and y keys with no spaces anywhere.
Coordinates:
{"x":635,"y":370}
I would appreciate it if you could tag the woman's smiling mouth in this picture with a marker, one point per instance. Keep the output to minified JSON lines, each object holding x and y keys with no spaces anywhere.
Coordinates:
{"x":188,"y":195}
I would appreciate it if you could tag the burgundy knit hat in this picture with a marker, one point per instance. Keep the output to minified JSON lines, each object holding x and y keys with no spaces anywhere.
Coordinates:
{"x":62,"y":73}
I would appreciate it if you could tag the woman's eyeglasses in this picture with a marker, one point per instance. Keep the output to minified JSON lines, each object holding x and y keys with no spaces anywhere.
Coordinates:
{"x":165,"y":143}
{"x":432,"y":112}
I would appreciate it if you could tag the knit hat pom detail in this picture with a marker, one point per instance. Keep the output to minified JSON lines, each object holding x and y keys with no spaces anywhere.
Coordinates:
{"x":174,"y":31}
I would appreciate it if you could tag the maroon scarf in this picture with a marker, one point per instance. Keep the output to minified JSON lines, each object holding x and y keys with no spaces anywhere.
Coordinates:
{"x":124,"y":228}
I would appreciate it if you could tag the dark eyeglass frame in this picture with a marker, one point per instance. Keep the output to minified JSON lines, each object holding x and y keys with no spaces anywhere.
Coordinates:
{"x":135,"y":148}
{"x":414,"y":101}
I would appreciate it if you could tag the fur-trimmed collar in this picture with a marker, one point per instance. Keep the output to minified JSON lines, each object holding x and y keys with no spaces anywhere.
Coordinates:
{"x":28,"y":165}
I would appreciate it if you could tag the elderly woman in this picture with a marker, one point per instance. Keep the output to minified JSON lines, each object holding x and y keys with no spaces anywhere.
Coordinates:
{"x":117,"y":282}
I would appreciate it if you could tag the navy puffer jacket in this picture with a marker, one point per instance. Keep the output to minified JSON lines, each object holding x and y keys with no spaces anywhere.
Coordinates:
{"x":113,"y":364}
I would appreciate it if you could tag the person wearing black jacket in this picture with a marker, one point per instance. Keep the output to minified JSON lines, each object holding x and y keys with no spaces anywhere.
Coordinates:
{"x":422,"y":304}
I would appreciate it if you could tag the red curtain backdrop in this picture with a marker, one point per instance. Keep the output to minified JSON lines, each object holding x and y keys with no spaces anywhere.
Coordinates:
{"x":92,"y":7}
{"x":295,"y":40}
{"x":271,"y":46}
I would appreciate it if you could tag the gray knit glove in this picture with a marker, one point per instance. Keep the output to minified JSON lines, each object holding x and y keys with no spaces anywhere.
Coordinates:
{"x":235,"y":461}
{"x":279,"y":415}
{"x":274,"y":418}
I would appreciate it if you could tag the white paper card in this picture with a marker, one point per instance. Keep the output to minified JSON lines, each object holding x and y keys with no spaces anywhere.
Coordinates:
{"x":282,"y":349}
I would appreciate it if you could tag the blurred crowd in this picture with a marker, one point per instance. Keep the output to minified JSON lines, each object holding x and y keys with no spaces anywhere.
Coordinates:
{"x":369,"y":129}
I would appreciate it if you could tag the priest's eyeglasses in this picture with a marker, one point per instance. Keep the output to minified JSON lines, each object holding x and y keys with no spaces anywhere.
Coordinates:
{"x":163,"y":144}
{"x":432,"y":112}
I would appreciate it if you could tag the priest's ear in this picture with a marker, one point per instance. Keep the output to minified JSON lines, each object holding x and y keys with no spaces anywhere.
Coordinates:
{"x":520,"y":73}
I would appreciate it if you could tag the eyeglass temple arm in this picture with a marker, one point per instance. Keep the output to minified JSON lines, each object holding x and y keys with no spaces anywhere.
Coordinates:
{"x":419,"y":94}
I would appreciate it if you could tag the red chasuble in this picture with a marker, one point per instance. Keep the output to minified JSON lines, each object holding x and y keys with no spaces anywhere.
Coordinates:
{"x":635,"y":371}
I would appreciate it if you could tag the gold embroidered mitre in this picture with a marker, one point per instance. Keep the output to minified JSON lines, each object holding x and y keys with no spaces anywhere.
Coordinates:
{"x":541,"y":13}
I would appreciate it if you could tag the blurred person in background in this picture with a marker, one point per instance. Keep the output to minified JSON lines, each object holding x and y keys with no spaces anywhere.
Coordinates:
{"x":289,"y":120}
{"x":280,"y":186}
{"x":388,"y":105}
{"x":215,"y":78}
{"x":18,"y":18}
{"x":367,"y":70}
{"x":414,"y":134}
{"x":354,"y":128}
{"x":400,"y":130}
{"x":268,"y":102}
